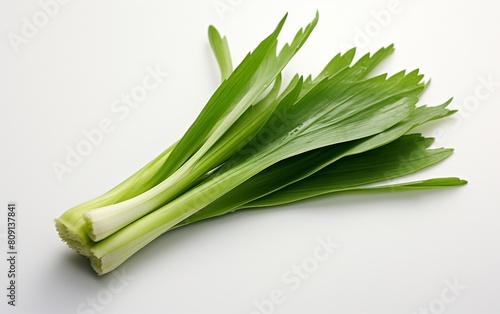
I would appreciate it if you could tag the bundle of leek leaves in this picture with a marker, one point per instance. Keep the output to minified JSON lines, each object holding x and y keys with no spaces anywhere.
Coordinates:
{"x":258,"y":144}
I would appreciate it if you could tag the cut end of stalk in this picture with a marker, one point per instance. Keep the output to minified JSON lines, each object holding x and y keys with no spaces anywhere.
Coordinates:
{"x":71,"y":237}
{"x":96,"y":264}
{"x":75,"y":242}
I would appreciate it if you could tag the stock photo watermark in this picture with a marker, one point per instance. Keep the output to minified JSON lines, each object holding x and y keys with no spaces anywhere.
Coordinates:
{"x":116,"y":285}
{"x":296,"y":275}
{"x":11,"y":254}
{"x":380,"y":19}
{"x":222,"y":7}
{"x":448,"y":295}
{"x":121,"y":108}
{"x":30,"y":27}
{"x":484,"y":89}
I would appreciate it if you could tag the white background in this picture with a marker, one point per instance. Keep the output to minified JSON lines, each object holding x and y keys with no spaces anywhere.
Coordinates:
{"x":396,"y":251}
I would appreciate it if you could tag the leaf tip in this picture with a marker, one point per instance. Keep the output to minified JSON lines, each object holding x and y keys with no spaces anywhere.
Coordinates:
{"x":212,"y":31}
{"x":316,"y":18}
{"x":282,"y":22}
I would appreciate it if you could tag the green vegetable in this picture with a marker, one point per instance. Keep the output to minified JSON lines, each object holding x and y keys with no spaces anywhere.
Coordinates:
{"x":254,"y":145}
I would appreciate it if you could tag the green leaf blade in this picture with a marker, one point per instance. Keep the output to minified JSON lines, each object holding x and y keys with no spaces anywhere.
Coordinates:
{"x":220,"y":48}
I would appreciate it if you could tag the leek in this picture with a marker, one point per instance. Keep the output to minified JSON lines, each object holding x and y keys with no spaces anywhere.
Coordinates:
{"x":256,"y":144}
